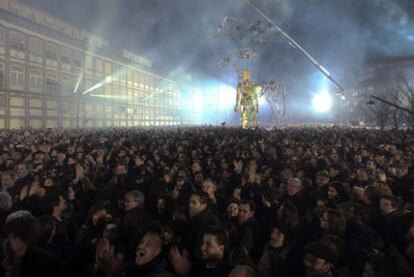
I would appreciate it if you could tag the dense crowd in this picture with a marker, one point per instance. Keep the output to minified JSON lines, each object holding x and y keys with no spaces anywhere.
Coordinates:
{"x":207,"y":201}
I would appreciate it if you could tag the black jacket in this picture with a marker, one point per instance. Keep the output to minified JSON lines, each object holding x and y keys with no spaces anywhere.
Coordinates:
{"x":156,"y":266}
{"x":248,"y":237}
{"x":195,"y":235}
{"x":38,"y":262}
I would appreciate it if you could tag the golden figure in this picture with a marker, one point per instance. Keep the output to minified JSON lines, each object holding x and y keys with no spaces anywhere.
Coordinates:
{"x":248,"y":100}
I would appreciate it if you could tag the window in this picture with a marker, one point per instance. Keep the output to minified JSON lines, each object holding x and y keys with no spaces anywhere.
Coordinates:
{"x":122,"y":74}
{"x":88,"y":83}
{"x":77,"y":59}
{"x":3,"y":101}
{"x":115,"y":74}
{"x":141,"y":80}
{"x":130,"y":76}
{"x":150,"y":82}
{"x":17,"y":77}
{"x":51,"y":83}
{"x":98,"y":65}
{"x":68,"y":109}
{"x":99,"y":79}
{"x":157,"y":84}
{"x":36,"y":80}
{"x":17,"y":41}
{"x":51,"y":51}
{"x":89,"y":62}
{"x":67,"y":86}
{"x":1,"y":74}
{"x":65,"y":55}
{"x":115,"y":90}
{"x":108,"y":68}
{"x":146,"y":81}
{"x":78,"y":81}
{"x":136,"y":78}
{"x":35,"y":46}
{"x":2,"y":36}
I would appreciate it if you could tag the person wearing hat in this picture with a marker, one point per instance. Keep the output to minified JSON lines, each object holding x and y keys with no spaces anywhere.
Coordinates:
{"x":21,"y":255}
{"x":277,"y":256}
{"x":319,"y":260}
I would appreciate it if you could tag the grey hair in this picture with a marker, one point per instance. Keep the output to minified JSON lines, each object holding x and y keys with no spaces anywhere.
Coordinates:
{"x":296,"y":181}
{"x":5,"y":201}
{"x":137,"y":195}
{"x":18,"y":214}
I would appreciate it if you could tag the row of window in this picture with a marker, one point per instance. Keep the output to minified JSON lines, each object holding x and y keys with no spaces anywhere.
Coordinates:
{"x":102,"y":69}
{"x":18,"y":122}
{"x":18,"y":104}
{"x":17,"y":79}
{"x":67,"y":85}
{"x":36,"y":46}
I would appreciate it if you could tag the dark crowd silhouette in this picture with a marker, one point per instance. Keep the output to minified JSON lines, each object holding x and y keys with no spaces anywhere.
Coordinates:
{"x":207,"y":201}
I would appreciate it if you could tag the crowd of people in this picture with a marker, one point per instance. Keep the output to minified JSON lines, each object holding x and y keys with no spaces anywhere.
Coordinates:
{"x":207,"y":201}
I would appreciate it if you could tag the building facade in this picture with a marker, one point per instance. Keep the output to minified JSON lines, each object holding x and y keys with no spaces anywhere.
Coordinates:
{"x":54,"y":75}
{"x":385,"y":74}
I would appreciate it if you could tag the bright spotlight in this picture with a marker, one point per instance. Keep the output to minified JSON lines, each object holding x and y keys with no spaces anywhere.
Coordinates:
{"x":226,"y":96}
{"x":262,"y":100}
{"x":322,"y":102}
{"x":197,"y":101}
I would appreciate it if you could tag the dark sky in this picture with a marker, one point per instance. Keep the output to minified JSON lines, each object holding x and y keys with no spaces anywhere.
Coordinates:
{"x":341,"y":34}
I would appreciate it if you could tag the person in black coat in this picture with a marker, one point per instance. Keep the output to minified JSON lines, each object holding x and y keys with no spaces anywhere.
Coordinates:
{"x":21,"y":256}
{"x":201,"y":217}
{"x":403,"y":181}
{"x":388,"y":225}
{"x":136,"y":219}
{"x":247,"y":233}
{"x":148,"y":260}
{"x":381,"y":260}
{"x":297,"y":196}
{"x":276,"y":257}
{"x":215,"y":260}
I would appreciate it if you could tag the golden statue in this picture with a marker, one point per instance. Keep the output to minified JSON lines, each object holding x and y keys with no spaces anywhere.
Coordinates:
{"x":248,"y":99}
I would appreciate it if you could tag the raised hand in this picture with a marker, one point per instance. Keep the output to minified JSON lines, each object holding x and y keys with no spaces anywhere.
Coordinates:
{"x":180,"y":262}
{"x":105,"y":258}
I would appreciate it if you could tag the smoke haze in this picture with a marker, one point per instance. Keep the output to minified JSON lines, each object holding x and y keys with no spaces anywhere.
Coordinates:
{"x":341,"y":34}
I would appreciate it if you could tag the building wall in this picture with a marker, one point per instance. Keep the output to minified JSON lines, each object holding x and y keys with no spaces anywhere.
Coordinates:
{"x":44,"y":73}
{"x":386,"y":74}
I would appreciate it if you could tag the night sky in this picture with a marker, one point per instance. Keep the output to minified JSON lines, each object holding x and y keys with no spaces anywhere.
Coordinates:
{"x":341,"y":34}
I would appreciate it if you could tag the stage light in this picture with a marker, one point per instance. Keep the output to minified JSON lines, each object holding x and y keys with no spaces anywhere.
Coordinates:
{"x":197,"y":101}
{"x":226,"y":97}
{"x":107,"y":80}
{"x":322,"y":102}
{"x":262,"y":100}
{"x":78,"y":83}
